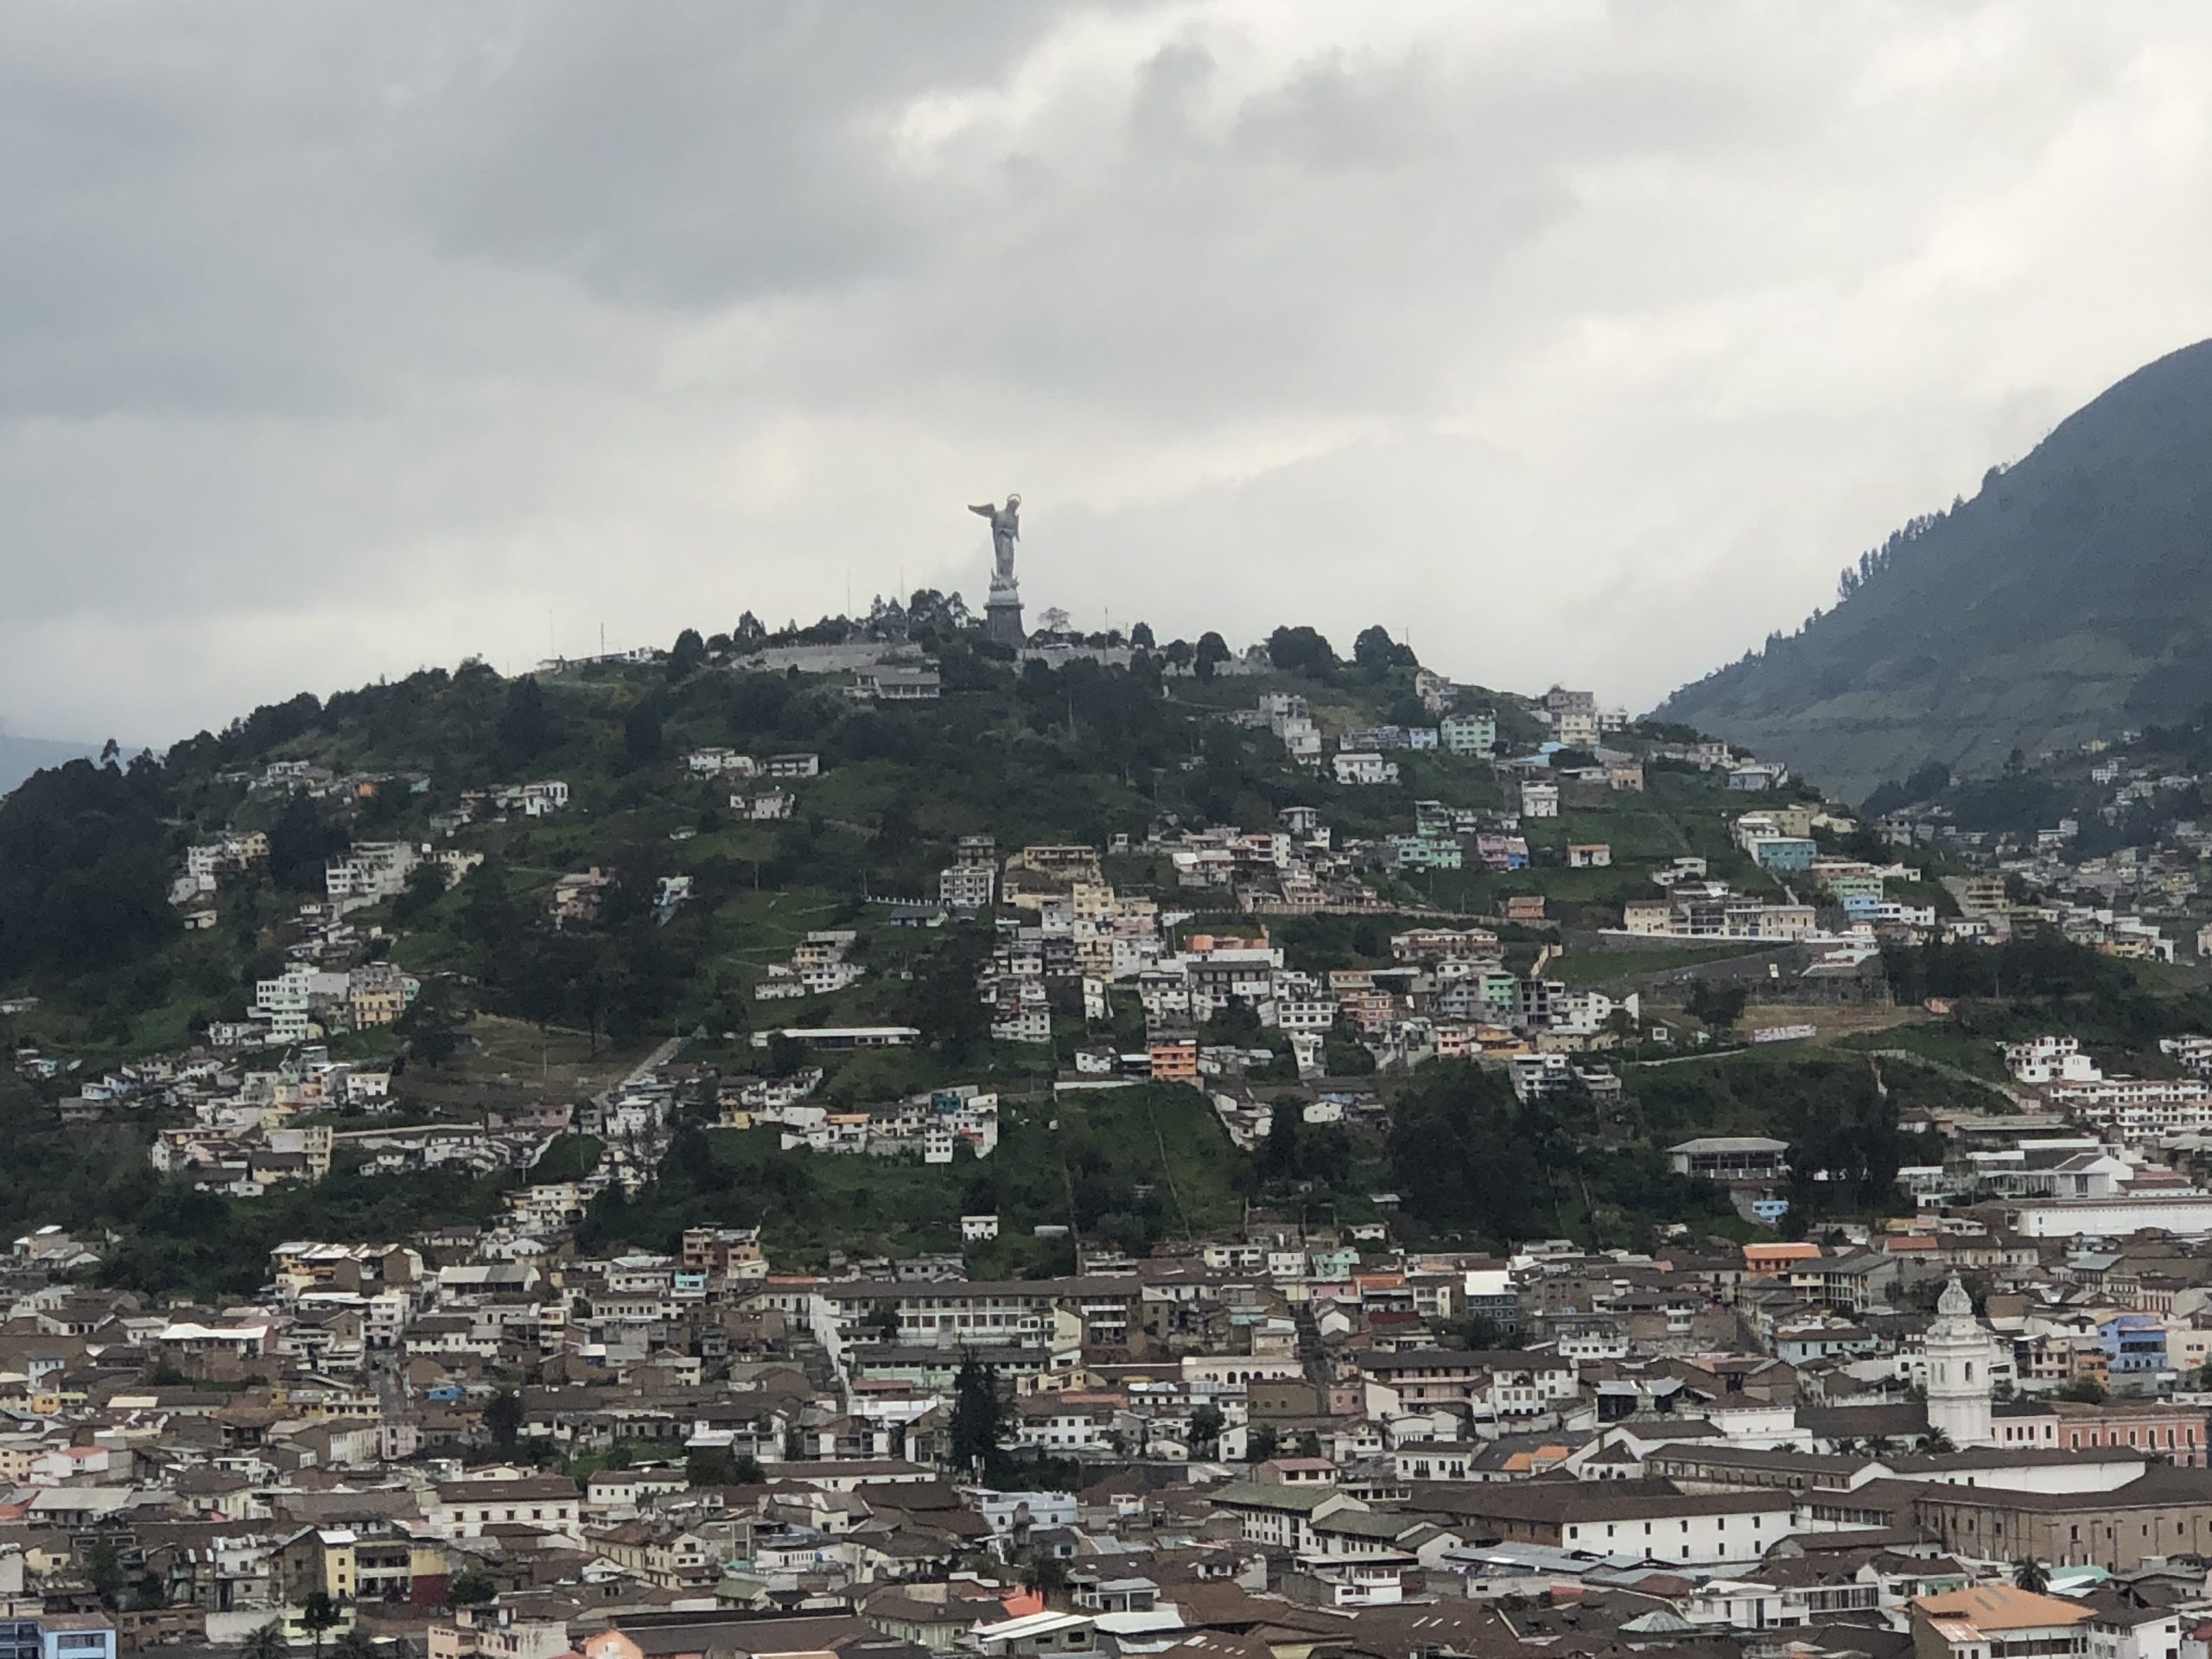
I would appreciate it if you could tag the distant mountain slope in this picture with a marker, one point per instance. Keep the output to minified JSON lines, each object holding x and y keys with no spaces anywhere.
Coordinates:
{"x":22,"y":756}
{"x":2072,"y":597}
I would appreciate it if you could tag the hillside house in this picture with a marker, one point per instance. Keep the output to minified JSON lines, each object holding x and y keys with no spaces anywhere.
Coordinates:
{"x":769,"y":807}
{"x":898,"y":685}
{"x":720,"y":763}
{"x":1731,"y":1158}
{"x":1475,"y":734}
{"x":1785,"y":853}
{"x":1363,"y":768}
{"x":1755,"y":776}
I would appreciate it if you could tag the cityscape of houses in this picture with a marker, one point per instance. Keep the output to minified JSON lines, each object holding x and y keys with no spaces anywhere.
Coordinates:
{"x":1969,"y":1421}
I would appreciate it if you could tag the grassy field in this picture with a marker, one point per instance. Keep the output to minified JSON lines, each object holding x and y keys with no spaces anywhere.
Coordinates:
{"x":1835,"y":1024}
{"x":513,"y":1062}
{"x":561,"y":1061}
{"x":1944,"y":1044}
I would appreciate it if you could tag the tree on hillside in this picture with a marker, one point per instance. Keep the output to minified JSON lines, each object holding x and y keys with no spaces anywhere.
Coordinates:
{"x":896,"y":832}
{"x":718,"y":1466}
{"x":1343,"y":1055}
{"x":1302,"y":650}
{"x":471,"y":1587}
{"x":1045,"y":1573}
{"x":1464,"y":1155}
{"x":686,"y":656}
{"x":641,"y":734}
{"x":978,"y":1415}
{"x":944,"y":1002}
{"x":104,"y":1570}
{"x":426,"y":885}
{"x":1376,"y":653}
{"x":433,"y":1022}
{"x":84,"y":867}
{"x":1278,"y":1152}
{"x":318,"y":1613}
{"x":490,"y":919}
{"x":929,"y":611}
{"x":503,"y":1422}
{"x":1483,"y":1334}
{"x":300,"y":842}
{"x":525,"y":724}
{"x":1718,"y":1007}
{"x":1141,"y":636}
{"x":1212,"y":651}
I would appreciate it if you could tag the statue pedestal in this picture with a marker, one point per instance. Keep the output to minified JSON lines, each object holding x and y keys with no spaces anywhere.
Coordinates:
{"x":1002,"y":617}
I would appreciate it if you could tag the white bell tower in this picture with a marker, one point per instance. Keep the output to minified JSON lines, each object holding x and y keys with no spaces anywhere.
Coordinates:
{"x":1961,"y":1354}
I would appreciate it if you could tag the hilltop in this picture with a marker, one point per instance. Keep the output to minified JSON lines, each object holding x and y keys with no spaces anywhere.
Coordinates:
{"x":2067,"y":601}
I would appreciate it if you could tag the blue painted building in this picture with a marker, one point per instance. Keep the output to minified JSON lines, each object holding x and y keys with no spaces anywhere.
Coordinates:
{"x":1784,"y":852}
{"x":2134,"y":1344}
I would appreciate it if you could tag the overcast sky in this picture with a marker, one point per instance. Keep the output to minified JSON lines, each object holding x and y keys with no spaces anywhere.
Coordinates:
{"x":1585,"y":341}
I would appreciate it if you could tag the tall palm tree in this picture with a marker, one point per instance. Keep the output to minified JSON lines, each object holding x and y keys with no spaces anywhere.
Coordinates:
{"x":2030,"y":1574}
{"x":265,"y":1642}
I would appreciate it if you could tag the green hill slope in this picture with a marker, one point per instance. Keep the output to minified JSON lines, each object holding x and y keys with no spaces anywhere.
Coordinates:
{"x":572,"y":943}
{"x":2069,"y":599}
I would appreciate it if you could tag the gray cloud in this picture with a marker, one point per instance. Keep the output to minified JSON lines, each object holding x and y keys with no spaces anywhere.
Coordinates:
{"x":1585,"y":340}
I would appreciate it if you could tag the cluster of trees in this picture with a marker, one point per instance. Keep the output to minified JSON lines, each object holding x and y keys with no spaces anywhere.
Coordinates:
{"x":267,"y":728}
{"x":925,"y":616}
{"x":86,"y":861}
{"x":712,"y":1180}
{"x":1716,"y":1005}
{"x":178,"y":1237}
{"x":1849,"y":582}
{"x":2037,"y":964}
{"x":1466,"y":1157}
{"x":717,"y":1466}
{"x":1845,"y":1150}
{"x":978,"y":1425}
{"x":1876,"y":559}
{"x":1306,"y":650}
{"x":1924,"y":783}
{"x":618,"y":977}
{"x":1296,"y":1151}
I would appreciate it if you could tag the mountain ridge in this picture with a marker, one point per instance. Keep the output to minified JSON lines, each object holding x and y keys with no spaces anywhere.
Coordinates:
{"x":2067,"y":599}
